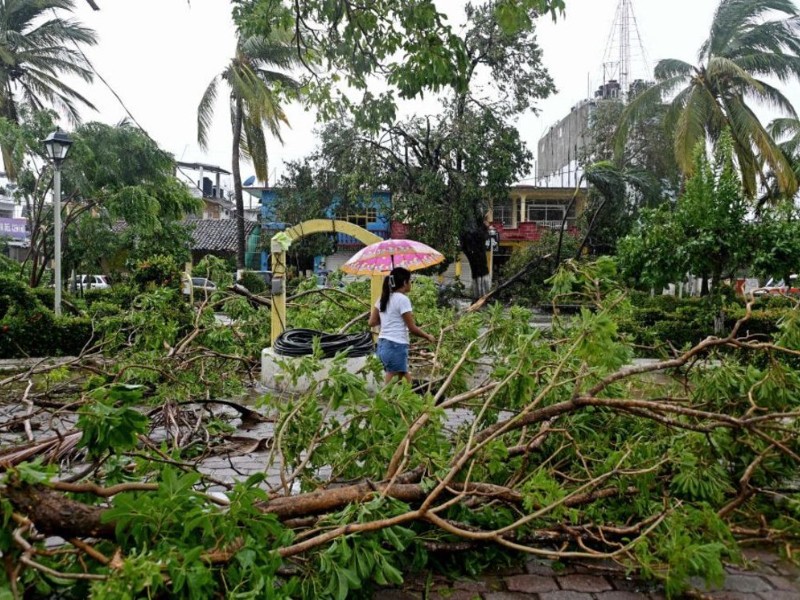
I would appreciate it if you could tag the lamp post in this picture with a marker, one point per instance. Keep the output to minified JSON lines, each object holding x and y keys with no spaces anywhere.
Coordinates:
{"x":57,"y":147}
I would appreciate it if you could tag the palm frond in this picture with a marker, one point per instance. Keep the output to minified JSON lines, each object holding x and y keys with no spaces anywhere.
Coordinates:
{"x":640,"y":106}
{"x":254,"y":141}
{"x":692,"y":126}
{"x":784,"y":127}
{"x":724,"y":69}
{"x":732,"y":17}
{"x":205,"y":112}
{"x":750,"y":134}
{"x":270,"y":52}
{"x":672,"y":67}
{"x":37,"y":49}
{"x":772,"y":37}
{"x":772,"y":97}
{"x":762,"y":64}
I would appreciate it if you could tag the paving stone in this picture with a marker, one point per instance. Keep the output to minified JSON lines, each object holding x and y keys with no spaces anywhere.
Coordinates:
{"x":396,"y":595}
{"x":470,"y":585}
{"x":779,"y":595}
{"x":531,"y":583}
{"x":762,"y":568}
{"x":565,"y":595}
{"x":584,"y":583}
{"x":781,"y":583}
{"x":699,"y":584}
{"x":728,"y":595}
{"x":760,"y":555}
{"x":746,"y":583}
{"x":597,"y":567}
{"x":510,"y":596}
{"x":453,"y":594}
{"x":619,"y":595}
{"x":415,"y":581}
{"x":539,"y":567}
{"x":787,"y":569}
{"x":632,"y":585}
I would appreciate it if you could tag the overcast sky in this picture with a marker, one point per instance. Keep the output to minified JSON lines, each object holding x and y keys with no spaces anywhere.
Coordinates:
{"x":159,"y":56}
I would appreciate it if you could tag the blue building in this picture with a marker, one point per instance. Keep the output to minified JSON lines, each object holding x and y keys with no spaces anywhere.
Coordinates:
{"x":373,"y":217}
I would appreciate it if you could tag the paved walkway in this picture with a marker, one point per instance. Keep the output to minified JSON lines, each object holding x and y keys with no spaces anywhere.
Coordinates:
{"x":764,"y":577}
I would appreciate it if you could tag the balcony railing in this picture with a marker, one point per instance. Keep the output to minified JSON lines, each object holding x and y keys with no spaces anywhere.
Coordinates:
{"x":554,"y":224}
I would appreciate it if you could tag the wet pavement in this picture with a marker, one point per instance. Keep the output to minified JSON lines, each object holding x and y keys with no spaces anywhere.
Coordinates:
{"x":764,"y":576}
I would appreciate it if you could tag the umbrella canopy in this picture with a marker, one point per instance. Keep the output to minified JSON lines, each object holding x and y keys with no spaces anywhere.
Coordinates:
{"x":383,"y":256}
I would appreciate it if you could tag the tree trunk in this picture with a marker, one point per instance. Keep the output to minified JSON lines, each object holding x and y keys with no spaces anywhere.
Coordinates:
{"x":237,"y":185}
{"x":564,"y":224}
{"x":589,"y":229}
{"x":473,"y":244}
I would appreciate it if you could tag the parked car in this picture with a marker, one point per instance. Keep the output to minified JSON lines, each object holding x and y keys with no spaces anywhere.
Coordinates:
{"x":198,"y":284}
{"x":778,"y":286}
{"x":86,"y":282}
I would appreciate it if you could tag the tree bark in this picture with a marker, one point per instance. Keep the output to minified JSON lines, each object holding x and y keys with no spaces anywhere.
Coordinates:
{"x":55,"y":514}
{"x":237,"y":184}
{"x":473,"y":244}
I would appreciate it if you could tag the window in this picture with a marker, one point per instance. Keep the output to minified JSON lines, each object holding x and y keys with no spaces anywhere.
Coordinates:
{"x":547,"y":213}
{"x":369,"y":215}
{"x":502,"y":212}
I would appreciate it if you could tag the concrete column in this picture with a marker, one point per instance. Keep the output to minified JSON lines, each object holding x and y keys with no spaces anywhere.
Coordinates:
{"x":278,"y":312}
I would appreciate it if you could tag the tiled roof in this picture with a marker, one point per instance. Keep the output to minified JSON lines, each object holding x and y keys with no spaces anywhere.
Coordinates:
{"x":210,"y":235}
{"x":214,"y":235}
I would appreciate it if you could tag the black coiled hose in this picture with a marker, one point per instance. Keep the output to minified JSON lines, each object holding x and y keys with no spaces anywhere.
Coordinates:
{"x":299,"y":342}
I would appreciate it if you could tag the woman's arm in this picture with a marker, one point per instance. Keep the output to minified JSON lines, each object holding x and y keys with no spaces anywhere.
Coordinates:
{"x":408,"y":317}
{"x":374,"y":317}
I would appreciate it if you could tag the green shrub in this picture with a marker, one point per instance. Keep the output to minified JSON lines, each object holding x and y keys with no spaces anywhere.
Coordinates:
{"x":40,"y":333}
{"x":253,"y":282}
{"x":45,"y":295}
{"x":93,"y":295}
{"x":28,"y":326}
{"x":123,"y":294}
{"x":662,"y":321}
{"x":216,"y":269}
{"x":157,"y":272}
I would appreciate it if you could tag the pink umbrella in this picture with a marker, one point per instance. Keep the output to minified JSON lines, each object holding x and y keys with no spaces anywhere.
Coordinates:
{"x":383,"y":256}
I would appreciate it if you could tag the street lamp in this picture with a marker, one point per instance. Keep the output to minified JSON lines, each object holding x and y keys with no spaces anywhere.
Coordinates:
{"x":57,"y":147}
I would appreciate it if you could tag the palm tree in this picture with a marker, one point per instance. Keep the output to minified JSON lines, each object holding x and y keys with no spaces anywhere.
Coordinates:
{"x":749,"y":40}
{"x":36,"y":48}
{"x":788,"y":130}
{"x":255,"y":103}
{"x":611,"y":182}
{"x":785,"y":131}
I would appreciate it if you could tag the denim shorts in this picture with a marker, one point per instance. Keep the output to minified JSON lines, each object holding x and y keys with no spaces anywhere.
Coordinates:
{"x":394,"y":356}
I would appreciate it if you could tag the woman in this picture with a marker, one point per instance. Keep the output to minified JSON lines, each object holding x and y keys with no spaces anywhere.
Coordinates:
{"x":393,"y":313}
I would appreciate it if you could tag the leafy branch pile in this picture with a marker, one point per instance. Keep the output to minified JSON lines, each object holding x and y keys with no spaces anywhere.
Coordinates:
{"x":568,"y":451}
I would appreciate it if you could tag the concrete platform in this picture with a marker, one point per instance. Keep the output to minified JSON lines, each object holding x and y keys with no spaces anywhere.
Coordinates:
{"x":274,"y":378}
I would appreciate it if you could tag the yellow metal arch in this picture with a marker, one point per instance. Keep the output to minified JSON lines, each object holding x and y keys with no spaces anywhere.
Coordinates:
{"x":332,"y":226}
{"x":278,"y":261}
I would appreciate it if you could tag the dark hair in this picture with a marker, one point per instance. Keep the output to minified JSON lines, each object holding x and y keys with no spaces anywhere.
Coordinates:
{"x":393,"y":281}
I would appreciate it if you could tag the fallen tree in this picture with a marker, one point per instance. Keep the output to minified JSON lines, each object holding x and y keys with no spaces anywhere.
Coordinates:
{"x":563,"y":449}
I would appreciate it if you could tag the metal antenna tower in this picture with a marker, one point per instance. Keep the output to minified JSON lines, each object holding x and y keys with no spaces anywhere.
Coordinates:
{"x":625,"y":50}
